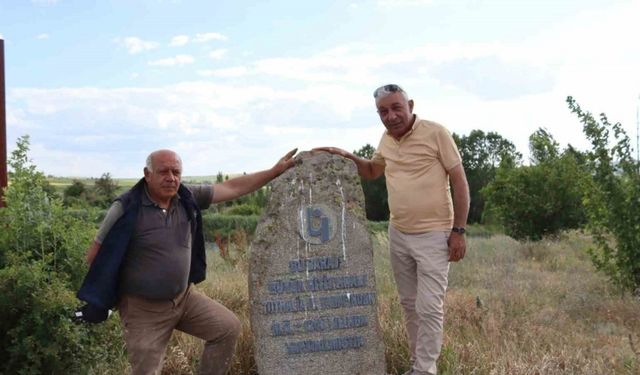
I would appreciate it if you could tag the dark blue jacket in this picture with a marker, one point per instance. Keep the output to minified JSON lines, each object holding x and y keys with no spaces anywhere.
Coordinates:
{"x":100,"y":286}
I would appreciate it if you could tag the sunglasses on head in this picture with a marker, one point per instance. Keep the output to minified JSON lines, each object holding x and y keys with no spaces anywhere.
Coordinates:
{"x":386,"y":89}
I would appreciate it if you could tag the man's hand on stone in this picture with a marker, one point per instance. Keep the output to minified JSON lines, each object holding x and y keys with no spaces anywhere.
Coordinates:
{"x":332,"y":150}
{"x":286,"y":162}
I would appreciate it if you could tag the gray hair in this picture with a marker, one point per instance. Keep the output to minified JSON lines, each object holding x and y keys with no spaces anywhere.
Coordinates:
{"x":389,"y":89}
{"x":149,"y":161}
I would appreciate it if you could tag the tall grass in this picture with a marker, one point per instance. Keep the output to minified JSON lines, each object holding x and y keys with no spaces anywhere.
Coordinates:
{"x":512,"y":309}
{"x":537,"y":308}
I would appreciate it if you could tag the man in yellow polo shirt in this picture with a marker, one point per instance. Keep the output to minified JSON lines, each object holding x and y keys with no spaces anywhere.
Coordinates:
{"x":420,"y":161}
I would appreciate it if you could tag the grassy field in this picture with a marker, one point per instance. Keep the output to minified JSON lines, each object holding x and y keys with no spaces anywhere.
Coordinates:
{"x":512,"y":309}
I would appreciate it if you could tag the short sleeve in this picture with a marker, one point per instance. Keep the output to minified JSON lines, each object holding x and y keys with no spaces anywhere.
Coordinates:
{"x":377,"y":157}
{"x":447,"y":149}
{"x":113,"y":214}
{"x":202,"y":194}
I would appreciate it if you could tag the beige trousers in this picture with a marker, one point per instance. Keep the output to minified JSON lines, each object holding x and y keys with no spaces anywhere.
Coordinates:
{"x":420,"y":265}
{"x":148,"y":324}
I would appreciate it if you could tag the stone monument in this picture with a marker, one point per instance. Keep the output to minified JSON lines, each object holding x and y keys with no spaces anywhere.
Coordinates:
{"x":311,"y":277}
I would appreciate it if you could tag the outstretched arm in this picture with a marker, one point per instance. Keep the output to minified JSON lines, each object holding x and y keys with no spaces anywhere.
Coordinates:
{"x":366,"y":168}
{"x":239,"y":186}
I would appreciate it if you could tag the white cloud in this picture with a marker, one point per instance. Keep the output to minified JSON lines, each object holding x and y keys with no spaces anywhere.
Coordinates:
{"x":205,"y":37}
{"x":179,"y":40}
{"x":173,"y":61}
{"x":44,"y":2}
{"x":1,"y":37}
{"x":490,"y":78}
{"x":193,"y":118}
{"x":217,"y":54}
{"x":225,"y":73}
{"x":403,"y":3}
{"x":339,"y":65}
{"x":19,"y":120}
{"x":42,"y":36}
{"x":136,"y":45}
{"x":318,"y":69}
{"x":178,"y":119}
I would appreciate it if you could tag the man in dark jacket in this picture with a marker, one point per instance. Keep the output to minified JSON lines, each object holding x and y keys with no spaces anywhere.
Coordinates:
{"x":148,"y":253}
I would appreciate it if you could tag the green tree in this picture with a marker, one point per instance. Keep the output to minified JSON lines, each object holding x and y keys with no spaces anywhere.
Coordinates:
{"x":375,"y":191}
{"x":612,"y":199}
{"x":540,"y":199}
{"x":251,"y":203}
{"x":75,"y":194}
{"x":482,"y":153}
{"x":104,"y":190}
{"x":76,"y":189}
{"x":543,"y":147}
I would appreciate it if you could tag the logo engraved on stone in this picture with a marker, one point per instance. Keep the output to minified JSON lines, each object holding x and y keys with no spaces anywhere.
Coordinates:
{"x":323,"y":230}
{"x":318,"y":224}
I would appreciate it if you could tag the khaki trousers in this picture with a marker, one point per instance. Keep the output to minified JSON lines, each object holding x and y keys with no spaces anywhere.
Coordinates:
{"x":147,"y":325}
{"x":420,"y":265}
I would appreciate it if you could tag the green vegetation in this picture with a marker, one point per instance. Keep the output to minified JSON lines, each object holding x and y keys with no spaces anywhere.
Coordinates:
{"x":223,"y":226}
{"x":482,"y":154}
{"x":598,"y":190}
{"x":41,"y":267}
{"x":612,"y":199}
{"x":540,"y":199}
{"x":375,"y":191}
{"x":103,"y":192}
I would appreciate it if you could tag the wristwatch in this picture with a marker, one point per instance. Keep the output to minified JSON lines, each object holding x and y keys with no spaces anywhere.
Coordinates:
{"x":460,"y":230}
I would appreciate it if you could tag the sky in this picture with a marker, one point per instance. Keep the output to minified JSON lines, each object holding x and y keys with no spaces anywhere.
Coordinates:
{"x":233,"y":85}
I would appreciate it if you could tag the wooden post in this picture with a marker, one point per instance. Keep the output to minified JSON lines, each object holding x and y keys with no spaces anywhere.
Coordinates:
{"x":3,"y":129}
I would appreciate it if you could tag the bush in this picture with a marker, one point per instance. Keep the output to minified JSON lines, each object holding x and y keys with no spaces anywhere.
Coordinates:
{"x":39,"y":336}
{"x":244,"y":209}
{"x":377,"y":226}
{"x":104,"y":190}
{"x":541,"y":199}
{"x":224,"y":225}
{"x":41,"y":267}
{"x":375,"y":191}
{"x":612,"y":199}
{"x":481,"y":154}
{"x":38,"y":227}
{"x":93,"y":215}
